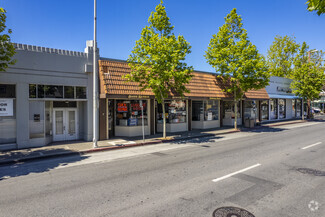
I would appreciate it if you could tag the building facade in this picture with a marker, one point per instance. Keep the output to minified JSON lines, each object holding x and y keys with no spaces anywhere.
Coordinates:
{"x":205,"y":107}
{"x":46,"y":97}
{"x":283,"y":104}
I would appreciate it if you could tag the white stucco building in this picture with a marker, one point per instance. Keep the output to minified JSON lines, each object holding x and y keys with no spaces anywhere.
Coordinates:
{"x":283,"y":104}
{"x":46,"y":96}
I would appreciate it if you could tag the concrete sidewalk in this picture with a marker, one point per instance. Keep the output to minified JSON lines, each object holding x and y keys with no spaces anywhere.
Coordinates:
{"x":80,"y":148}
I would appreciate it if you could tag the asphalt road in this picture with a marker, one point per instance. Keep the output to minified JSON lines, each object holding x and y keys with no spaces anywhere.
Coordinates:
{"x":269,"y":172}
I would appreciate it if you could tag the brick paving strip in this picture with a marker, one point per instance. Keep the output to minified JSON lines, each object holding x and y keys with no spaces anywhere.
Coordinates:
{"x":81,"y":148}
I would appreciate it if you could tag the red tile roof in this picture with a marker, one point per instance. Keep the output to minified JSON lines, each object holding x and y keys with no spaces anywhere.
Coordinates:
{"x":201,"y":85}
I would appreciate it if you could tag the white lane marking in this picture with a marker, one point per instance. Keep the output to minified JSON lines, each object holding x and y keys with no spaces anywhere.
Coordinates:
{"x":239,"y":171}
{"x":309,"y":146}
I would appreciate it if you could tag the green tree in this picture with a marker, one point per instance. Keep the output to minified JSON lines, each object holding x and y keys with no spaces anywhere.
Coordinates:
{"x":157,"y":60}
{"x":240,"y":65}
{"x":308,"y":76}
{"x":281,"y":54}
{"x":316,"y":5}
{"x":7,"y":50}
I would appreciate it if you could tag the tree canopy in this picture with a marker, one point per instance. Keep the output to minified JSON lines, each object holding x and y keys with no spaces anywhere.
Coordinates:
{"x":157,"y":61}
{"x":308,"y":75}
{"x":7,"y":50}
{"x":236,"y":59}
{"x":316,"y":5}
{"x":281,"y":54}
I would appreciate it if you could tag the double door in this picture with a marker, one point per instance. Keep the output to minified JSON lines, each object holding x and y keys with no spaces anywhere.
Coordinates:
{"x":65,"y":124}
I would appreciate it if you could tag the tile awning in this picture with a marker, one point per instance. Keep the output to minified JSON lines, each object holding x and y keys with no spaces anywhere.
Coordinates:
{"x":202,"y":84}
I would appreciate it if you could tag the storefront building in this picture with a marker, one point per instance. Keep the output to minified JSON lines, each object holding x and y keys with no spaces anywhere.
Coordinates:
{"x":255,"y":106}
{"x":123,"y":107}
{"x":44,"y":97}
{"x":250,"y":107}
{"x":283,"y":104}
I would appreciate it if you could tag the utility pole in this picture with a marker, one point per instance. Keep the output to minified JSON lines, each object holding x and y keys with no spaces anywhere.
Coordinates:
{"x":95,"y":83}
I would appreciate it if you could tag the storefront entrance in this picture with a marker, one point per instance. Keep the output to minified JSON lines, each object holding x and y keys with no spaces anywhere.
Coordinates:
{"x":65,"y":124}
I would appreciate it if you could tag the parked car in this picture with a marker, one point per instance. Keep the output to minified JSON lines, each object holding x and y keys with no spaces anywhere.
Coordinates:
{"x":315,"y":110}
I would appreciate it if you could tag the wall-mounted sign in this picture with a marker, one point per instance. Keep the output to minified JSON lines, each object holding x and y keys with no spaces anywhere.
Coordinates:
{"x":6,"y":107}
{"x":138,"y":97}
{"x":213,"y":98}
{"x":284,"y":89}
{"x":37,"y":117}
{"x":179,"y":97}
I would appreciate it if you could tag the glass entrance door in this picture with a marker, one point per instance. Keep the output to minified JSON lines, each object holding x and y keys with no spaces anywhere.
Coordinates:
{"x":65,"y":124}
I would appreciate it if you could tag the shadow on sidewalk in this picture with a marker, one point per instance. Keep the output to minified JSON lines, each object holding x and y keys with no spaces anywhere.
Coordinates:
{"x":35,"y":162}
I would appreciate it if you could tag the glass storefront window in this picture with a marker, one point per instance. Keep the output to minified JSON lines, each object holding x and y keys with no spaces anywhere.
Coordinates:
{"x":36,"y":119}
{"x":293,"y":112}
{"x":211,"y":110}
{"x":175,"y":112}
{"x":206,"y":110}
{"x":274,"y":108}
{"x":282,"y":108}
{"x":128,"y":113}
{"x":249,"y":109}
{"x":81,"y":92}
{"x":7,"y":91}
{"x":52,"y":91}
{"x":48,"y":118}
{"x":197,"y":111}
{"x":55,"y":91}
{"x":7,"y":114}
{"x":40,"y":91}
{"x":48,"y":91}
{"x":68,"y":92}
{"x":265,"y":110}
{"x":229,"y":110}
{"x":32,"y":91}
{"x":298,"y":108}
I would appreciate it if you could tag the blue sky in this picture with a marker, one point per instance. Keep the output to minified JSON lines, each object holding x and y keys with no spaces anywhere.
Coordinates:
{"x":67,"y":24}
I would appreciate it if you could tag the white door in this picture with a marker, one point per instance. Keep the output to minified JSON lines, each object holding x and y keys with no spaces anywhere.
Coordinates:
{"x":65,"y":124}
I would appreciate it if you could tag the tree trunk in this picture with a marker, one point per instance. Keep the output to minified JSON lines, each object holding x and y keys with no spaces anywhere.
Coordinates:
{"x":302,"y":110}
{"x":308,"y":108}
{"x":235,"y":124}
{"x":164,"y":119}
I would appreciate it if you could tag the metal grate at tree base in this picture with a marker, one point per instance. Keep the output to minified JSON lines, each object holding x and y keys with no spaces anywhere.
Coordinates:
{"x":231,"y":212}
{"x":311,"y":171}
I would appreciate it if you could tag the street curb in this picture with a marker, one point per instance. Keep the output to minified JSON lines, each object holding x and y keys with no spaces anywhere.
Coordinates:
{"x":102,"y":149}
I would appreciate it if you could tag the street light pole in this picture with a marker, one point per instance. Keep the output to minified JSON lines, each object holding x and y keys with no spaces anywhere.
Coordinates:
{"x":95,"y":89}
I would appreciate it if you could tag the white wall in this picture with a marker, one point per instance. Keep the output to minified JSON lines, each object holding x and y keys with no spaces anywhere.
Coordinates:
{"x":38,"y":65}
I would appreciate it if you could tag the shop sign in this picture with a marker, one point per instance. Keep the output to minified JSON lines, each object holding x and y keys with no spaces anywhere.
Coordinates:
{"x":284,"y":89}
{"x":214,"y":98}
{"x":179,"y":97}
{"x":122,"y":107}
{"x":138,"y":97}
{"x":6,"y":107}
{"x":37,"y":117}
